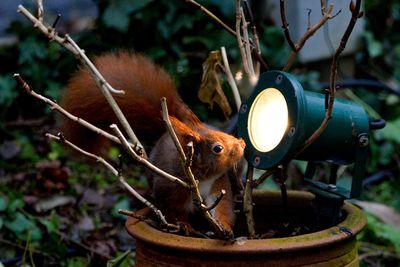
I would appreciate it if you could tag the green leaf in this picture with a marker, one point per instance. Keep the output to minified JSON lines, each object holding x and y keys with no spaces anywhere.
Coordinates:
{"x":228,"y":8}
{"x":36,"y":233}
{"x":374,"y":47}
{"x":19,"y":224}
{"x":117,"y":13}
{"x":30,"y":50}
{"x":28,"y":151}
{"x":383,"y":233}
{"x":123,"y":203}
{"x":390,"y":132}
{"x":77,"y":262}
{"x":118,"y":260}
{"x":3,"y":204}
{"x":14,"y":205}
{"x":8,"y":90}
{"x":209,"y":44}
{"x":117,"y":18}
{"x":54,"y":90}
{"x":51,"y":224}
{"x":386,"y":153}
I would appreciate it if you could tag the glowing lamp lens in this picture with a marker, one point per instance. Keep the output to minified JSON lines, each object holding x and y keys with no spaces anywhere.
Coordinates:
{"x":268,"y":120}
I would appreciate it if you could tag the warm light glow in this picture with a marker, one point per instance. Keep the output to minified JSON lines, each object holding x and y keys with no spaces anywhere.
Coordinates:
{"x":239,"y":76}
{"x":268,"y":120}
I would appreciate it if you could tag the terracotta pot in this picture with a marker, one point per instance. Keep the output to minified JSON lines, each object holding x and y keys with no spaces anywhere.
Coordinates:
{"x":335,"y":246}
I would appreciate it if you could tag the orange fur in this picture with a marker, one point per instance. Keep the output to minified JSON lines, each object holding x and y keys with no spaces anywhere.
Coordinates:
{"x":145,"y":84}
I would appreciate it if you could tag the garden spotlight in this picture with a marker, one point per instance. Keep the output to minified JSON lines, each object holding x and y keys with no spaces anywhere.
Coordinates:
{"x":279,"y":116}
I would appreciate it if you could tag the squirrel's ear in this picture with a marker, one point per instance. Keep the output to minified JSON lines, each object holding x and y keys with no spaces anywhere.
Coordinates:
{"x":184,"y":133}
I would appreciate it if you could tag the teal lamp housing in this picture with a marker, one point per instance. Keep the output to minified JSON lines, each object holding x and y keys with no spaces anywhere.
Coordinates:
{"x":280,"y":116}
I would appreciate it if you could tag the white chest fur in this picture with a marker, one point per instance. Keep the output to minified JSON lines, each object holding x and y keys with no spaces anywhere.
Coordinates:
{"x":205,"y":191}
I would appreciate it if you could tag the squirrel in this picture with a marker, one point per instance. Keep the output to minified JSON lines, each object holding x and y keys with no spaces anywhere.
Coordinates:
{"x":217,"y":155}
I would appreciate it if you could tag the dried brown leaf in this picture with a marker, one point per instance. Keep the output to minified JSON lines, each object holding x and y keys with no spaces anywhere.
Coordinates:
{"x":210,"y":91}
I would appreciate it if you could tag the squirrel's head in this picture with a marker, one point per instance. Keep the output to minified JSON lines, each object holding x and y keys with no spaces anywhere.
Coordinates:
{"x":214,"y":151}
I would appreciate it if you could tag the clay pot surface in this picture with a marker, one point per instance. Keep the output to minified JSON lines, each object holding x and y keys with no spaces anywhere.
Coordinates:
{"x":335,"y":246}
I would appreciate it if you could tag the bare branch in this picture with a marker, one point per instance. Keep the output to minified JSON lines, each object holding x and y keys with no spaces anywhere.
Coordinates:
{"x":245,"y":62}
{"x":121,"y":179}
{"x":212,"y":16}
{"x":257,"y":49}
{"x":136,"y":216}
{"x":220,"y":196}
{"x":101,"y":83}
{"x":55,"y":106}
{"x":230,"y":30}
{"x":48,"y":31}
{"x":192,"y":182}
{"x":40,"y":10}
{"x":230,"y":78}
{"x":355,"y":14}
{"x":262,"y":178}
{"x":326,"y":15}
{"x":285,"y":25}
{"x":147,"y":164}
{"x":248,"y":202}
{"x":247,"y":47}
{"x":171,"y":131}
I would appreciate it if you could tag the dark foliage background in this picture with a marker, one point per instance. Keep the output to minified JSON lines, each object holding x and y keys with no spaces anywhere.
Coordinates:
{"x":83,"y":224}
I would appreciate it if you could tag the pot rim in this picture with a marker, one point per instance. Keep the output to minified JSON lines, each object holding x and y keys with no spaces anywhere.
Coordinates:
{"x":353,"y":223}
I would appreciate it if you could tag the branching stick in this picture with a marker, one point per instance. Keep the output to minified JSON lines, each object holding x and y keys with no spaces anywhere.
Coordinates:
{"x":54,"y":106}
{"x":326,"y":15}
{"x":186,"y":162}
{"x":355,"y":14}
{"x":230,"y":78}
{"x":101,"y":83}
{"x":121,"y":179}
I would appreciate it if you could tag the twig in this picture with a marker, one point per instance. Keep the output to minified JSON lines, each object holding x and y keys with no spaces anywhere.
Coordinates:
{"x":9,"y":243}
{"x":285,"y":25}
{"x":220,"y":196}
{"x":247,"y":47}
{"x":121,"y":179}
{"x":136,"y":216}
{"x":170,"y":228}
{"x":40,"y":14}
{"x":101,"y":83}
{"x":212,"y":16}
{"x":171,"y":131}
{"x":143,"y":161}
{"x":230,"y":78}
{"x":245,"y":62}
{"x":248,"y":203}
{"x":257,"y":49}
{"x":192,"y":182}
{"x":54,"y":106}
{"x":230,"y":30}
{"x":309,"y":11}
{"x":70,"y":45}
{"x":105,"y":88}
{"x":262,"y":178}
{"x":355,"y":14}
{"x":326,"y":15}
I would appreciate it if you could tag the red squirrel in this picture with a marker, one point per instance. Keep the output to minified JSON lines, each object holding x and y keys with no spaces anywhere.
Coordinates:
{"x":216,"y":154}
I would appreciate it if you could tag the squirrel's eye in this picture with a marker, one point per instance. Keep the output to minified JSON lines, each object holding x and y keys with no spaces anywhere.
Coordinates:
{"x":217,"y":148}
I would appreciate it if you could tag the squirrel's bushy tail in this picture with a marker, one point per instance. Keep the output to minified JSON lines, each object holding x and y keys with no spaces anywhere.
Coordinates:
{"x":144,"y":84}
